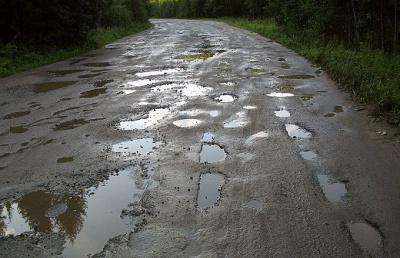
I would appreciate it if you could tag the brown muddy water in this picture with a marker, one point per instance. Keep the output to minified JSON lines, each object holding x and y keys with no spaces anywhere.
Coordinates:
{"x":88,"y":219}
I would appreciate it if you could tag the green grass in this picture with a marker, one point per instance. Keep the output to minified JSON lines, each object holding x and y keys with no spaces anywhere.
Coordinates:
{"x":370,"y":75}
{"x":15,"y":59}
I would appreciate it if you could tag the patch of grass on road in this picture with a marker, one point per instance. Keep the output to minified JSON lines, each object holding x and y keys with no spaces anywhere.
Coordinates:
{"x":372,"y":76}
{"x":15,"y":59}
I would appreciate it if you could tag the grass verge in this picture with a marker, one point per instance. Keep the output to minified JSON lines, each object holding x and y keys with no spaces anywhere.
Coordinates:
{"x":371,"y":76}
{"x":15,"y":59}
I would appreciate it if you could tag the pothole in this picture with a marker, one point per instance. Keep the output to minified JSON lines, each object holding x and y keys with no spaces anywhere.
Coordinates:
{"x":226,"y":98}
{"x":208,"y":137}
{"x":49,"y":86}
{"x":295,"y":131}
{"x":65,"y":160}
{"x":250,"y":107}
{"x":338,"y":109}
{"x":256,"y":136}
{"x":155,"y":73}
{"x":280,"y":94}
{"x":254,"y":204}
{"x":101,"y":84}
{"x":140,"y":83}
{"x":65,"y":72}
{"x":186,"y":123}
{"x":91,"y":217}
{"x":202,"y":55}
{"x":211,"y":153}
{"x":137,"y":146}
{"x":334,"y":192}
{"x":282,"y":112}
{"x":367,"y":236}
{"x":214,"y":113}
{"x":308,"y":155}
{"x":329,"y":115}
{"x":306,"y":97}
{"x":16,"y":114}
{"x":153,"y":119}
{"x":256,"y":70}
{"x":210,"y":186}
{"x":238,"y":120}
{"x":93,"y":93}
{"x":192,"y":90}
{"x":18,"y":129}
{"x":71,"y":124}
{"x":297,"y":77}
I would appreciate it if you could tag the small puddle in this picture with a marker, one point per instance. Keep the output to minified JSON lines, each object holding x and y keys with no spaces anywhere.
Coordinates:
{"x":308,"y":155}
{"x":256,"y":70}
{"x":329,"y":115}
{"x":285,"y":88}
{"x":239,"y":120}
{"x":209,"y":190}
{"x":16,"y":115}
{"x":295,"y":131}
{"x":186,"y":123}
{"x":100,"y":84}
{"x":153,"y":119}
{"x":338,"y":109}
{"x":254,"y":204}
{"x":93,"y":93}
{"x":280,"y":94}
{"x":65,"y":72}
{"x":226,"y":98}
{"x":203,"y":55}
{"x":192,"y":90}
{"x":18,"y":129}
{"x":100,"y":64}
{"x":65,"y":160}
{"x":333,"y":191}
{"x":211,"y":153}
{"x":88,"y":219}
{"x":138,"y":146}
{"x":208,"y":137}
{"x":297,"y":77}
{"x":214,"y":113}
{"x":49,"y":86}
{"x":70,"y":124}
{"x":154,"y":73}
{"x":282,"y":112}
{"x":256,"y":136}
{"x":367,"y":236}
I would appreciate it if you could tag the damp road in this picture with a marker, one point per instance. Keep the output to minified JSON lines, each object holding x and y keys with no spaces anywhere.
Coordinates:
{"x":193,"y":139}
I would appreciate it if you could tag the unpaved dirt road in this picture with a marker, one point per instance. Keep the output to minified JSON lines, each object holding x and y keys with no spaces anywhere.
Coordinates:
{"x":193,"y":139}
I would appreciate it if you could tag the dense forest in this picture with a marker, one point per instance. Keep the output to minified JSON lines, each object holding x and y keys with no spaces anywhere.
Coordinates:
{"x":43,"y":23}
{"x":351,"y":22}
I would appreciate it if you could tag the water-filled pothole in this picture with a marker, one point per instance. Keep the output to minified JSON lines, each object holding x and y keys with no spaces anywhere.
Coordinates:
{"x":226,"y":98}
{"x":88,"y":219}
{"x":101,"y":84}
{"x":297,"y":77}
{"x":338,"y":109}
{"x":211,"y":153}
{"x":49,"y":86}
{"x":140,"y":83}
{"x":16,"y":114}
{"x":186,"y":123}
{"x":203,"y":55}
{"x":65,"y":160}
{"x":93,"y":93}
{"x":367,"y":236}
{"x":160,"y":72}
{"x":280,"y":94}
{"x":193,"y":90}
{"x":18,"y":129}
{"x":210,"y":186}
{"x":207,"y":137}
{"x":282,"y":112}
{"x":308,"y":155}
{"x":137,"y":146}
{"x":334,"y":192}
{"x":256,"y":136}
{"x":296,"y":131}
{"x":90,"y":75}
{"x":306,"y":97}
{"x":70,"y":124}
{"x":153,"y":119}
{"x":238,"y":120}
{"x":250,"y":107}
{"x":246,"y":155}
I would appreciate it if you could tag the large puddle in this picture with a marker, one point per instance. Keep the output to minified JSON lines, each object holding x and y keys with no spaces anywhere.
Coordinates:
{"x":88,"y":219}
{"x":49,"y":86}
{"x":209,"y":190}
{"x":238,"y":120}
{"x":295,"y":131}
{"x":211,"y":153}
{"x":138,"y":146}
{"x":365,"y":235}
{"x":153,"y":119}
{"x":334,"y":192}
{"x":187,"y":123}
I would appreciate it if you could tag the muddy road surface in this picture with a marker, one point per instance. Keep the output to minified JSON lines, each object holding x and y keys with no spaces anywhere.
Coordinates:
{"x":193,"y":139}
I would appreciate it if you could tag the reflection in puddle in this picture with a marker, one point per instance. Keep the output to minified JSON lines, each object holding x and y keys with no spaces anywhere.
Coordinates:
{"x":308,"y":155}
{"x":65,"y":160}
{"x":295,"y":131}
{"x":185,"y":123}
{"x":153,"y":119}
{"x":209,"y":190}
{"x":297,"y":77}
{"x":214,"y":113}
{"x":140,"y":83}
{"x":249,"y":107}
{"x":282,"y":112}
{"x":16,"y":115}
{"x":192,"y":90}
{"x":333,"y":191}
{"x":239,"y":120}
{"x":138,"y":146}
{"x":246,"y":155}
{"x":49,"y":86}
{"x":154,"y":73}
{"x":93,"y":93}
{"x":226,"y":98}
{"x":88,"y":221}
{"x":255,"y":136}
{"x":254,"y":204}
{"x":165,"y":87}
{"x":280,"y":94}
{"x":365,"y":235}
{"x":208,"y":137}
{"x":18,"y":129}
{"x":211,"y":153}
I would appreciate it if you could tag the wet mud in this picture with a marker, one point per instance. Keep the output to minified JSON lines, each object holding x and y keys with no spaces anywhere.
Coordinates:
{"x":68,"y":125}
{"x":50,"y":86}
{"x":65,"y":160}
{"x":18,"y":129}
